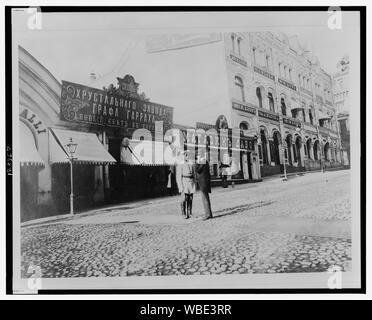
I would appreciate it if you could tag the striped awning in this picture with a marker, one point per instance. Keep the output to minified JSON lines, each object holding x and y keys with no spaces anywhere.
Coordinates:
{"x":148,"y":153}
{"x":28,"y":154}
{"x":89,"y":149}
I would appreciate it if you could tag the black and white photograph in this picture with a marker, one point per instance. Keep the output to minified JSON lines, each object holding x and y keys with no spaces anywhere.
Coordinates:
{"x":186,"y":150}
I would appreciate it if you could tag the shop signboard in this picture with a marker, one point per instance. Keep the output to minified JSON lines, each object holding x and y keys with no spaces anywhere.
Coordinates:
{"x":84,"y":104}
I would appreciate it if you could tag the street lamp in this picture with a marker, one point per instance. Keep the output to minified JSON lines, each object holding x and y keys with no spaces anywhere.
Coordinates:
{"x":71,"y":149}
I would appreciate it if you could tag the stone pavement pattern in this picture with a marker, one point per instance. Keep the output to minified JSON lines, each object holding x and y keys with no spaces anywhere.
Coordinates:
{"x":302,"y":225}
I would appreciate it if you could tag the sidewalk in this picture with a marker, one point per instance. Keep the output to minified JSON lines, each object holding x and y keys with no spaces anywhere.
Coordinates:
{"x":159,"y":200}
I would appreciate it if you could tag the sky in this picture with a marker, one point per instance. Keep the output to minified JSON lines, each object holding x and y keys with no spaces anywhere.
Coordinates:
{"x":74,"y":45}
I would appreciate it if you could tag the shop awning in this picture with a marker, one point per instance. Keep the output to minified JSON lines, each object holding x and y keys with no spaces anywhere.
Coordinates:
{"x":28,"y":154}
{"x":89,"y":149}
{"x":148,"y":153}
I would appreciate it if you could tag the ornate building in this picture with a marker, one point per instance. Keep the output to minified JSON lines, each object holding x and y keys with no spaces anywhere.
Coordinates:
{"x":341,"y":96}
{"x":279,"y":90}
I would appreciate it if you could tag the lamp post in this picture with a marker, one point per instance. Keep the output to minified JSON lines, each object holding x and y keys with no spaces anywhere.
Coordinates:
{"x":71,"y":149}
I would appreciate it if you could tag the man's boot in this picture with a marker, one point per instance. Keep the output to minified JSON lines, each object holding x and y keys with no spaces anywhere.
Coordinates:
{"x":187,"y":197}
{"x":183,"y":208}
{"x":189,"y":206}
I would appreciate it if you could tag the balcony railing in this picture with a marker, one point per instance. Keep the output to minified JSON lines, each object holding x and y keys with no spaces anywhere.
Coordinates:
{"x":292,"y":122}
{"x":324,"y":130}
{"x":333,"y":133}
{"x":309,"y":127}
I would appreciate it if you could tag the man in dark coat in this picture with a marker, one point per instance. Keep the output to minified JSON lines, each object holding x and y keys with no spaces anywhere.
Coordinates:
{"x":204,"y":181}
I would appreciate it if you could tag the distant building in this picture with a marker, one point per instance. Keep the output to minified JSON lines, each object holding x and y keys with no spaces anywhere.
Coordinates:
{"x":279,"y":89}
{"x":341,"y":97}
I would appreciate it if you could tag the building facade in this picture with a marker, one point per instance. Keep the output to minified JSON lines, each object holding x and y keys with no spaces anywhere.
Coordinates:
{"x":279,"y":91}
{"x":51,"y":113}
{"x":341,"y":97}
{"x":274,"y":108}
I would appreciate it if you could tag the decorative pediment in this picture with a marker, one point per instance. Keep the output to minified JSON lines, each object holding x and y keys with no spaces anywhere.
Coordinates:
{"x":126,"y":86}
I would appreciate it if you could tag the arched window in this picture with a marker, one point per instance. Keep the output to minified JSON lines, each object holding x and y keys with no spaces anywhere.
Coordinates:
{"x":239,"y":46}
{"x":311,"y":118}
{"x":259,"y":96}
{"x":316,"y":150}
{"x":326,"y":152}
{"x":243,"y":125}
{"x":271,"y":101}
{"x":283,"y":107}
{"x":254,"y":55}
{"x":267,"y":62}
{"x":308,"y":147}
{"x":239,"y":89}
{"x":233,"y":42}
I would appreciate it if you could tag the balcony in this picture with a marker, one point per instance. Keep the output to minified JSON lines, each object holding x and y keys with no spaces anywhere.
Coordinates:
{"x":309,"y":127}
{"x":292,"y":122}
{"x":333,"y":134}
{"x":324,"y":131}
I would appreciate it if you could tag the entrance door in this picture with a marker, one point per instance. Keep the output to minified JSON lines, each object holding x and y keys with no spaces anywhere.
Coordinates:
{"x":244,"y":165}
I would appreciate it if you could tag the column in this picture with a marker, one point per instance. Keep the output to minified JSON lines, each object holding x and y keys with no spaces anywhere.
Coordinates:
{"x":294,"y":155}
{"x":302,"y":153}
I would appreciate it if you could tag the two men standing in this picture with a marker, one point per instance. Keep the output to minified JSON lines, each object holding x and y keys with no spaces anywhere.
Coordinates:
{"x":187,"y":175}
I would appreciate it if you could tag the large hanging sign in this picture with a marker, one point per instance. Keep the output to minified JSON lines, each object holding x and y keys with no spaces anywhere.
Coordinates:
{"x":89,"y":105}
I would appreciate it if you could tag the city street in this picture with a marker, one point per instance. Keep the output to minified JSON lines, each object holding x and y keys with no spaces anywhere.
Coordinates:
{"x":302,"y":225}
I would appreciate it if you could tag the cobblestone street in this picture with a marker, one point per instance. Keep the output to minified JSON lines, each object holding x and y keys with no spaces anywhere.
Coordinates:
{"x":302,"y":225}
